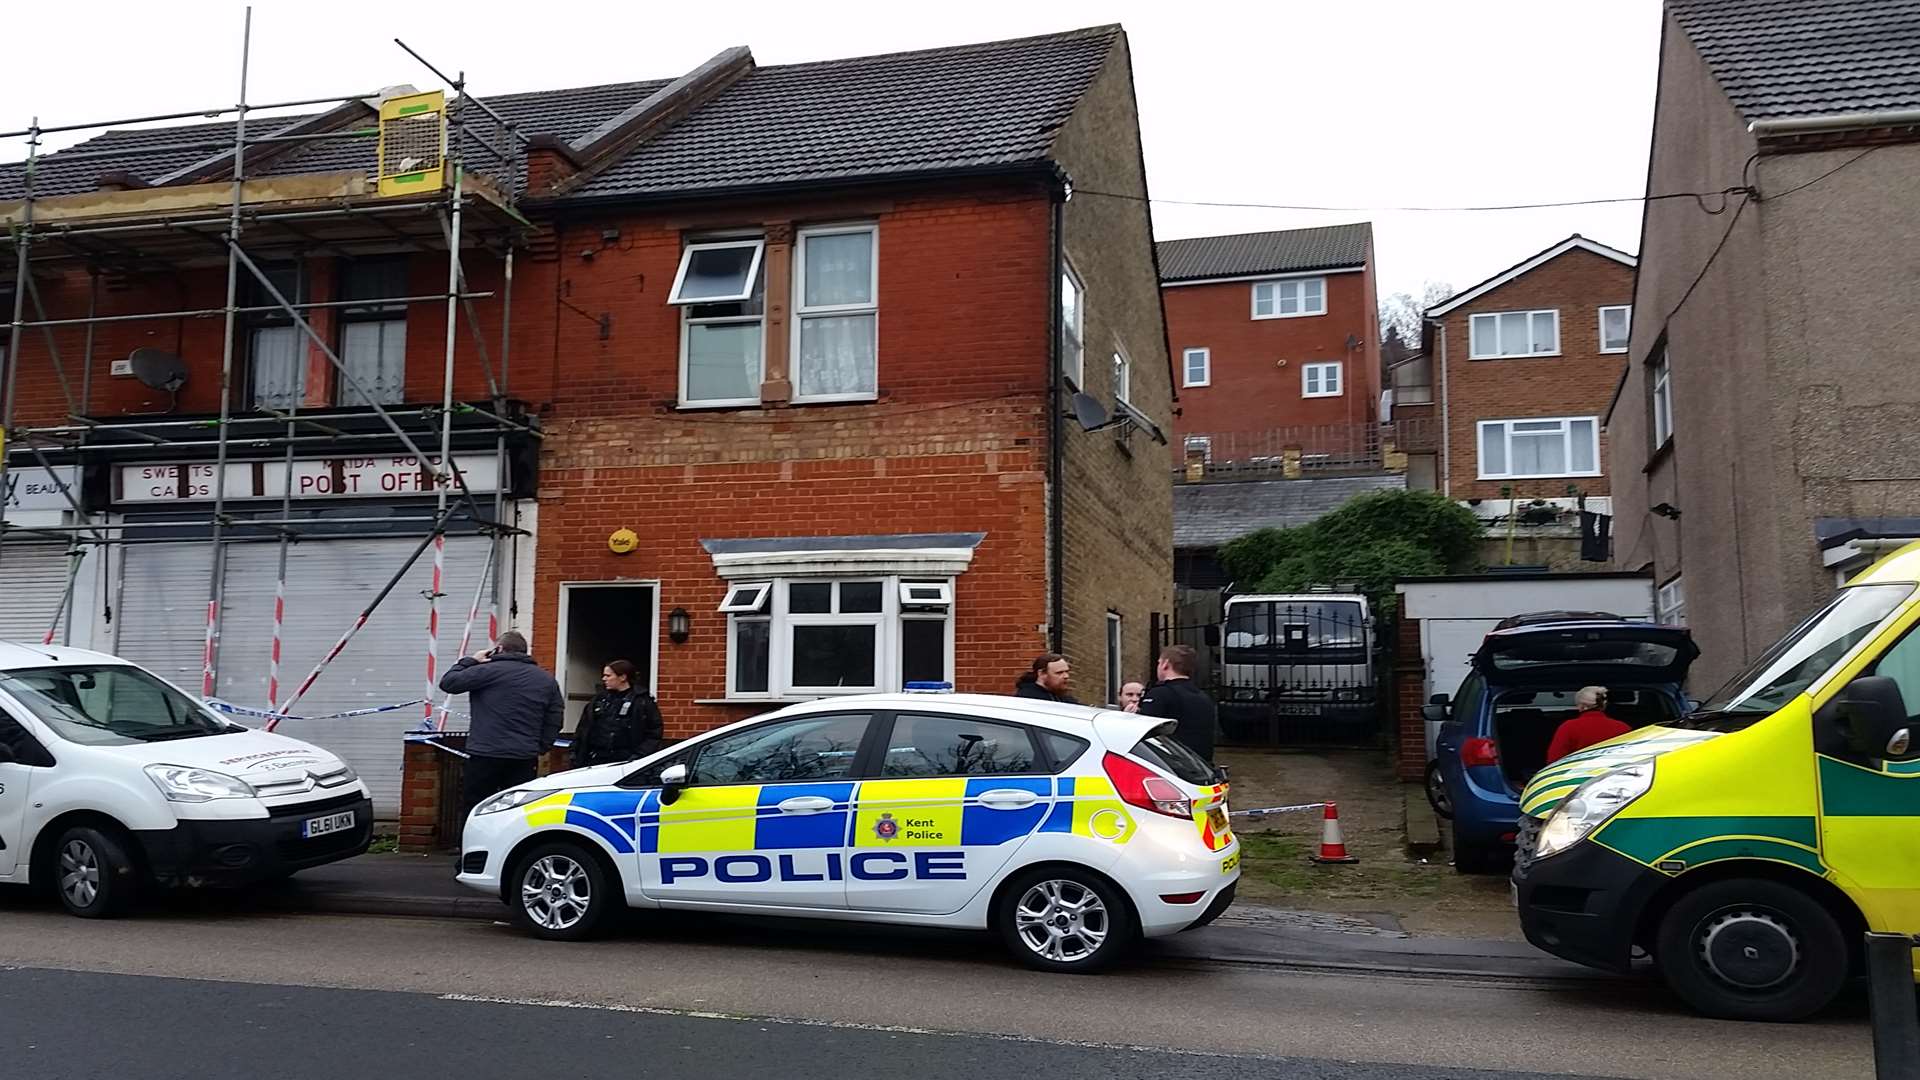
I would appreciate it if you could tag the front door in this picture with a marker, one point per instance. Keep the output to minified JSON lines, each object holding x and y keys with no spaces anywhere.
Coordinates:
{"x":762,"y":820}
{"x":1870,"y":812}
{"x":955,"y":799}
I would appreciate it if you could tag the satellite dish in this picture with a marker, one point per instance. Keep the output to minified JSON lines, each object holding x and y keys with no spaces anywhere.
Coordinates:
{"x":159,"y":369}
{"x":1088,"y":410}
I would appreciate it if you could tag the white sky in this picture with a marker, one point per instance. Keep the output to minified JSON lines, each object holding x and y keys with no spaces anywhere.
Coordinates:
{"x":1357,"y":103}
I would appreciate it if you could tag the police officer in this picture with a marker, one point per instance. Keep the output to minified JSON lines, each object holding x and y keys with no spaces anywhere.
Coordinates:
{"x":1174,"y":697}
{"x":620,"y":723}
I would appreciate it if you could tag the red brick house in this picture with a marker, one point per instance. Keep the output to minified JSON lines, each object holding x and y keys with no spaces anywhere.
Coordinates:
{"x":792,"y":353}
{"x":1275,"y":339}
{"x":1518,"y":371}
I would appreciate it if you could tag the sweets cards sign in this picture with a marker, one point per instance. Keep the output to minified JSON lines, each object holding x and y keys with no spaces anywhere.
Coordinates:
{"x":322,"y":478}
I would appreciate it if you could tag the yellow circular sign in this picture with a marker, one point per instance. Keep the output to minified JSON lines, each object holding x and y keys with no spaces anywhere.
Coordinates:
{"x":623,"y":541}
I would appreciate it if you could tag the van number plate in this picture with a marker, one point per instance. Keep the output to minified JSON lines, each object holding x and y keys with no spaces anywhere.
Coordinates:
{"x":322,"y":826}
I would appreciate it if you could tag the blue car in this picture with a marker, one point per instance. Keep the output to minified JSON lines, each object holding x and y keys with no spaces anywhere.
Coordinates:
{"x":1519,"y":689}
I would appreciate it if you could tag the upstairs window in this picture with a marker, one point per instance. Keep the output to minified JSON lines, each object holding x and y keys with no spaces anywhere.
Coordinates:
{"x":1549,"y":447}
{"x":1073,"y":327}
{"x":836,"y":314}
{"x":373,"y":338}
{"x":1122,"y":375}
{"x":721,"y":293}
{"x":1660,"y":396}
{"x":717,"y":272}
{"x":1320,"y":380}
{"x":1289,"y":298}
{"x":1616,"y":326}
{"x":1515,"y":333}
{"x":1198,"y":365}
{"x":1670,"y":604}
{"x":276,"y":347}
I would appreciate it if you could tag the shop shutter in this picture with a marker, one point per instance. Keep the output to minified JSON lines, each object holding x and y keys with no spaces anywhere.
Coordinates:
{"x":160,"y":621}
{"x":33,"y":578}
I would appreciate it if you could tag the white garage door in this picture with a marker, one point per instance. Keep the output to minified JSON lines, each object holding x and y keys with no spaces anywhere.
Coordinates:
{"x":329,"y":582}
{"x":33,"y":578}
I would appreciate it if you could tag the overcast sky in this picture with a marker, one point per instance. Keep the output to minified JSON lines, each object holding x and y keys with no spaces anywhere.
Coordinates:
{"x":1357,"y":103}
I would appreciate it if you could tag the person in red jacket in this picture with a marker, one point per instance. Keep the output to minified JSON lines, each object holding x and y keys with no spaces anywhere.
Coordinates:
{"x":1592,"y":727}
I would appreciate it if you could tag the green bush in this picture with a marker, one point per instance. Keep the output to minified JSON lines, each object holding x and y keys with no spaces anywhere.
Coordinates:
{"x":1372,"y":541}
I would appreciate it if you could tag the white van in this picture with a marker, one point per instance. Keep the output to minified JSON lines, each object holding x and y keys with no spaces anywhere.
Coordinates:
{"x":112,"y":779}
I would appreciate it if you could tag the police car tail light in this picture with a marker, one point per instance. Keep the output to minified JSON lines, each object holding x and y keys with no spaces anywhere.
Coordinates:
{"x":1140,"y":786}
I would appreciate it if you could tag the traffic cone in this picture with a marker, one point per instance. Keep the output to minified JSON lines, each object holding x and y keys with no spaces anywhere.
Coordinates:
{"x":1333,"y":849}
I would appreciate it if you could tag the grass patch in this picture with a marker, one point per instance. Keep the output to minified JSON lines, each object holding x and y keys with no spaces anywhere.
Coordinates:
{"x":1277,"y":860}
{"x":384,"y":845}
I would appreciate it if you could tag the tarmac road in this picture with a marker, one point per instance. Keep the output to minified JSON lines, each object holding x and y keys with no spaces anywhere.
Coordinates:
{"x":769,"y":999}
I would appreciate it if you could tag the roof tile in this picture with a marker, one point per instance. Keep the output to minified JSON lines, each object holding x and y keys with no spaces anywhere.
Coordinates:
{"x":1782,"y":58}
{"x":1241,"y":254}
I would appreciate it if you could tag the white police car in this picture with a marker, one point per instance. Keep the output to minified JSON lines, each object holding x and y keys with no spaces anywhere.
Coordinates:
{"x":1071,"y":831}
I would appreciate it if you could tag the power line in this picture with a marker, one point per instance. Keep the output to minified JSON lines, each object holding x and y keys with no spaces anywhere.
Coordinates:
{"x":1822,"y":176}
{"x":1717,"y":248}
{"x":1698,"y":196}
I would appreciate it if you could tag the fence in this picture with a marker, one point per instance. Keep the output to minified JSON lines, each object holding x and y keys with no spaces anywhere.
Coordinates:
{"x":1896,"y":1028}
{"x":1305,"y":450}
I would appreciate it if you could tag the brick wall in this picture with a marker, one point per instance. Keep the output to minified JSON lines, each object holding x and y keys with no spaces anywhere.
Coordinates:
{"x":1578,"y":382}
{"x":1256,"y":377}
{"x":1410,"y":695}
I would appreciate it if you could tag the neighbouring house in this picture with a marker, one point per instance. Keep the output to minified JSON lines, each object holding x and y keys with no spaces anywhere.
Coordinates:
{"x":1768,"y":427}
{"x":1276,"y":341}
{"x":792,"y":357}
{"x":1516,"y":372}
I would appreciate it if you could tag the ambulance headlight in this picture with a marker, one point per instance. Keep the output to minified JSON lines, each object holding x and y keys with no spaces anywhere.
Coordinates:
{"x":507,"y":800}
{"x":1592,"y":805}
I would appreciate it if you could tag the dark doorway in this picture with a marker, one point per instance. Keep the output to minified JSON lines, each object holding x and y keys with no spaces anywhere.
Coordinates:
{"x":599,"y":623}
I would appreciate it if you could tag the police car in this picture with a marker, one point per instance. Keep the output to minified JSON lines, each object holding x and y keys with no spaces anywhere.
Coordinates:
{"x":1070,"y":831}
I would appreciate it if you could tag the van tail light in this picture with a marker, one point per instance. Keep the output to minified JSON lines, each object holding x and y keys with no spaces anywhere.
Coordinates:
{"x":1140,"y":786}
{"x":1479,"y":752}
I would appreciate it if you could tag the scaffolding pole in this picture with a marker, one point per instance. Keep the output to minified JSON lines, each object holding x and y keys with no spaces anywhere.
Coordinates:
{"x":441,"y":486}
{"x":9,"y":386}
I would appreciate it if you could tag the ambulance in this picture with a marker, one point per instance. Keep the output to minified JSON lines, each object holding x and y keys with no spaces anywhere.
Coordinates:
{"x":1746,"y":848}
{"x":1070,"y":831}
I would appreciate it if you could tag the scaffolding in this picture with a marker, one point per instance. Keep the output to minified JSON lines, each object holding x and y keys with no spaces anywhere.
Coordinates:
{"x":421,"y":196}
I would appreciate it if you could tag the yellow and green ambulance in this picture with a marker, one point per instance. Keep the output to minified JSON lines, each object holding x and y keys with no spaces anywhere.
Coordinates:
{"x":1747,"y":847}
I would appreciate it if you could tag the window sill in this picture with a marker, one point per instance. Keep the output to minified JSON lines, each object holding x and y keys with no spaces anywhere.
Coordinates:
{"x":775,"y":702}
{"x":1613,"y":352}
{"x":1340,"y":393}
{"x":711,"y":406}
{"x":845,"y":399}
{"x":1543,"y":476}
{"x":1521,"y":356}
{"x":1658,"y":457}
{"x":1295,"y":315}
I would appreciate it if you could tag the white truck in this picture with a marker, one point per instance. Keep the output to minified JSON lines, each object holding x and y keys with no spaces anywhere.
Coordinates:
{"x":1302,"y":661}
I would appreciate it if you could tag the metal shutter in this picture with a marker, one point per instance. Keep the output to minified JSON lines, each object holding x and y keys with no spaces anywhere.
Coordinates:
{"x":328,"y":583}
{"x":33,"y":578}
{"x":160,"y":621}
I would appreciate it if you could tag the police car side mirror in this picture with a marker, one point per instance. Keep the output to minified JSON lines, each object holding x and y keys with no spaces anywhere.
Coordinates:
{"x":672,"y":779}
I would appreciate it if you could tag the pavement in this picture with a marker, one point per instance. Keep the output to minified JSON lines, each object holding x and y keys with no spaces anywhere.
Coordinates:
{"x":423,"y":885}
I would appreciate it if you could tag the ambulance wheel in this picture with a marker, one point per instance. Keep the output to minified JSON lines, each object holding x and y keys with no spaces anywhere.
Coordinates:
{"x":561,"y":892}
{"x":92,"y":873}
{"x":1064,"y":919}
{"x":1751,"y":949}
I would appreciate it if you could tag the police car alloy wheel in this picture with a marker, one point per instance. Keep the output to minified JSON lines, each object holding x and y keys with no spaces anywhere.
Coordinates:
{"x":561,"y":893}
{"x":1063,"y":919}
{"x":92,"y":873}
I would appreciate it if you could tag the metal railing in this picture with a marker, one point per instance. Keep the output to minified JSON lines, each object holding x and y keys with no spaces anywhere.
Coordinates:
{"x":1304,"y":450}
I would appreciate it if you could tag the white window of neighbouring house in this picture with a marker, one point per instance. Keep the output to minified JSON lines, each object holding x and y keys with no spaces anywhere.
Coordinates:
{"x":1670,"y":604}
{"x":814,"y":637}
{"x":1546,"y":447}
{"x":1201,"y":447}
{"x":1289,"y":298}
{"x":721,"y":293}
{"x":1320,"y":380}
{"x":1660,"y":395}
{"x":1116,"y":669}
{"x":1073,"y":327}
{"x":373,"y":339}
{"x":1514,"y":333}
{"x":836,"y":289}
{"x":1122,"y":375}
{"x":1616,"y":326}
{"x":1198,"y":367}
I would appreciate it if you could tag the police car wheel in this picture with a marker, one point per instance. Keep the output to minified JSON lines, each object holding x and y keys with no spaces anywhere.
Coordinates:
{"x":1751,"y":949}
{"x":92,"y":873}
{"x":1066,"y":920}
{"x":561,"y":893}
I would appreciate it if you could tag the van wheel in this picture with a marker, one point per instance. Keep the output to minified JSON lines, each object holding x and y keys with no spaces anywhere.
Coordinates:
{"x":93,"y":874}
{"x":561,"y":893}
{"x":1437,"y":791}
{"x":1751,"y":949}
{"x":1067,"y":920}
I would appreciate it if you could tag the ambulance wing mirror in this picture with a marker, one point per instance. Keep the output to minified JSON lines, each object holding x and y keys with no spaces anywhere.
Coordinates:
{"x":672,"y":779}
{"x":1870,"y":716}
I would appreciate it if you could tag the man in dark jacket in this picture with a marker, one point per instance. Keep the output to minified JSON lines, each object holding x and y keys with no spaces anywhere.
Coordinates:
{"x":620,"y":723}
{"x":1047,"y":680}
{"x":517,"y":712}
{"x":1174,"y":697}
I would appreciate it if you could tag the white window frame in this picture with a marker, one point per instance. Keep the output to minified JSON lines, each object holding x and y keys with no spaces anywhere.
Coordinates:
{"x":1670,"y":603}
{"x":1473,"y":340}
{"x":1322,"y":367}
{"x":1566,"y":429}
{"x":1201,"y":443}
{"x":1660,"y":399}
{"x":1187,"y":357}
{"x":1600,"y":336}
{"x":1298,"y":286}
{"x":759,"y":246}
{"x":1074,"y":368}
{"x":1116,"y":661}
{"x":888,"y":668}
{"x":746,"y":597}
{"x":801,"y":312}
{"x":688,"y":321}
{"x":942,"y":594}
{"x":1122,"y":374}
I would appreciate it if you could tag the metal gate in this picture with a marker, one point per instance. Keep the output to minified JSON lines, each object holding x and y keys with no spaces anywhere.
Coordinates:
{"x":1290,"y":674}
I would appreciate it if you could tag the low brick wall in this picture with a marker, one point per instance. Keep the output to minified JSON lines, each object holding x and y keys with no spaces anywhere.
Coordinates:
{"x":1410,"y":690}
{"x":430,"y":814}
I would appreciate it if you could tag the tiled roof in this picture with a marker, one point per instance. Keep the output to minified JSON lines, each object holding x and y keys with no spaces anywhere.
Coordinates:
{"x":1281,"y":252}
{"x":989,"y":105}
{"x":1782,"y":58}
{"x":1208,"y":515}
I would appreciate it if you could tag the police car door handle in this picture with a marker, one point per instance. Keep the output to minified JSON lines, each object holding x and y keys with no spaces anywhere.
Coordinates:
{"x":1008,"y":799}
{"x":805,"y":804}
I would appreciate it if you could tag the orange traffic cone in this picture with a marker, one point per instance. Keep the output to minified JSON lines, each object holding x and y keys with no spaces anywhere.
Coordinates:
{"x":1333,"y":849}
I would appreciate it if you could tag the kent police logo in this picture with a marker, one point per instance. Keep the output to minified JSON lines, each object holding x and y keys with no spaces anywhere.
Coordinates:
{"x":886,"y":828}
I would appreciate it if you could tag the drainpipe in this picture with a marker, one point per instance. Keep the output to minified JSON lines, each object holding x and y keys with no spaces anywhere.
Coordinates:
{"x":1446,"y":427}
{"x":1056,"y":454}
